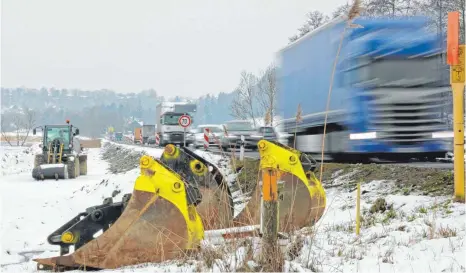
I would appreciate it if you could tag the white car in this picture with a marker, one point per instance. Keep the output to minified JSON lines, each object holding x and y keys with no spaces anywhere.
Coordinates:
{"x":215,"y":136}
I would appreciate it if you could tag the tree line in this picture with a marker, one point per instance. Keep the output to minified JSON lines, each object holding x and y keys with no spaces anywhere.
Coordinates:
{"x":436,"y":10}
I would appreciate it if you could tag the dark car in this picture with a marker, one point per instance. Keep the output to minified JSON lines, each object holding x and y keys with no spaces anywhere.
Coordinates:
{"x":263,"y":132}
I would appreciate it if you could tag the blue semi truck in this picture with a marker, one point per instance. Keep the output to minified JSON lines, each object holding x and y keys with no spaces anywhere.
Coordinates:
{"x":388,"y":92}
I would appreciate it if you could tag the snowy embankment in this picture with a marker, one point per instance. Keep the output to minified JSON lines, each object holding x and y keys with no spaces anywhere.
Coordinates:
{"x":400,"y":233}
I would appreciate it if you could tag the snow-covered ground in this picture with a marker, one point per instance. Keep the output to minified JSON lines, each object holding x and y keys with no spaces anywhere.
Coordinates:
{"x":410,"y":234}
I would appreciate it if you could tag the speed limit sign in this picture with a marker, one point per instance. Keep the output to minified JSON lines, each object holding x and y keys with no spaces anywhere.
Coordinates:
{"x":184,"y":121}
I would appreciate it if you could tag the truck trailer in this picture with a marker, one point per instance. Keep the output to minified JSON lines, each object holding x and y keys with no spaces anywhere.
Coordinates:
{"x":388,"y":94}
{"x":167,"y":116}
{"x":148,"y":130}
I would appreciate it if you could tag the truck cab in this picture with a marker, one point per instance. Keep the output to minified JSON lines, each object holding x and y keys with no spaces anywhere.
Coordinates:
{"x":167,"y":116}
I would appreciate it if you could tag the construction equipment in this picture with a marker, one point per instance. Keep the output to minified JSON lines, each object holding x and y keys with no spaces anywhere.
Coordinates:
{"x":173,"y":201}
{"x":61,"y":156}
{"x":207,"y":187}
{"x":301,"y":195}
{"x":157,"y":224}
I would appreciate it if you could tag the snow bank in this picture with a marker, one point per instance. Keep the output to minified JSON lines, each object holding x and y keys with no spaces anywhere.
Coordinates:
{"x":16,"y":160}
{"x":413,"y":234}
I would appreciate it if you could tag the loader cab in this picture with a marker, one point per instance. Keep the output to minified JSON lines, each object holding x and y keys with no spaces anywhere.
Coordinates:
{"x":58,"y":134}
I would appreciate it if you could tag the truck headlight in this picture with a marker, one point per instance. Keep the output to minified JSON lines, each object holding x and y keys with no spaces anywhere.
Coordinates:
{"x":369,"y":135}
{"x":445,"y":134}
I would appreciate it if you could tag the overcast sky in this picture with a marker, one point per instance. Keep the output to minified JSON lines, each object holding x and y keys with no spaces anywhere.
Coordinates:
{"x":184,"y":47}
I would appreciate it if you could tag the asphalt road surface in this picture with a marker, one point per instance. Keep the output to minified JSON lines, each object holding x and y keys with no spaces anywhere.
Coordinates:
{"x":436,"y":165}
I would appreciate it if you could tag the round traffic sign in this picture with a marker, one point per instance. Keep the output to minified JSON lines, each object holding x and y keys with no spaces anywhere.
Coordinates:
{"x":184,"y":121}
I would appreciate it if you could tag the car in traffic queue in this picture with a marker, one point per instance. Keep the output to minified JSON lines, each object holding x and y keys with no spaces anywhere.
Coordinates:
{"x":262,"y":132}
{"x":215,"y":136}
{"x":237,"y":128}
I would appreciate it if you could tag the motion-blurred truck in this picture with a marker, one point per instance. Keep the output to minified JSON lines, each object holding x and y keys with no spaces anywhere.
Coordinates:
{"x":147,"y":132}
{"x":167,"y":115}
{"x":388,"y":91}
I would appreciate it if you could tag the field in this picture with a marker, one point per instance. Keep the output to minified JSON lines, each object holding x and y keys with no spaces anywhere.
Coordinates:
{"x":409,"y":223}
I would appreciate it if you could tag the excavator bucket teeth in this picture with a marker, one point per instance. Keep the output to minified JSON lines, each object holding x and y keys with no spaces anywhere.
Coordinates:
{"x":214,"y":201}
{"x":157,"y":224}
{"x":301,"y":196}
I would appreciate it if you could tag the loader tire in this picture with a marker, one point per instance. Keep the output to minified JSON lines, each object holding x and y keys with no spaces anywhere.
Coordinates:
{"x":73,"y":167}
{"x":38,"y":160}
{"x":83,"y":165}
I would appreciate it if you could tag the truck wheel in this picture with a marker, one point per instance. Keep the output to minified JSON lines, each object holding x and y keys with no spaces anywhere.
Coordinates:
{"x":38,"y":160}
{"x":73,"y":167}
{"x":83,"y":165}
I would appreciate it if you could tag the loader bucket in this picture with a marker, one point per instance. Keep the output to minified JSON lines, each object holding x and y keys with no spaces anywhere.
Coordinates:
{"x":208,"y":190}
{"x":301,"y":196}
{"x":157,"y":224}
{"x":50,"y":171}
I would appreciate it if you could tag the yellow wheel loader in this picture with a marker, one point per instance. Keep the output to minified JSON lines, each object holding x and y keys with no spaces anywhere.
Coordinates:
{"x":174,"y":200}
{"x":61,"y":156}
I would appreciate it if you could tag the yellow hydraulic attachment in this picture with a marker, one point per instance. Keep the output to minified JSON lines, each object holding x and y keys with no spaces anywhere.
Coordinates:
{"x":156,"y":225}
{"x":52,"y":156}
{"x":301,"y":196}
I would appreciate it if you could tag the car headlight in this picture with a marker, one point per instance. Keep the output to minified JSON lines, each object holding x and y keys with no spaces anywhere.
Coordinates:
{"x":256,"y":136}
{"x":447,"y":134}
{"x":369,"y":135}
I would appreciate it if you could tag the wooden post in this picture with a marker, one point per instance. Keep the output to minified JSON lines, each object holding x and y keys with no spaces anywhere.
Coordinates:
{"x":241,"y":149}
{"x":271,"y":256}
{"x":358,"y":209}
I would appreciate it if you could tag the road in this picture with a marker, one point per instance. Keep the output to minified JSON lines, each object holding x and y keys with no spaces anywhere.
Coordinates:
{"x":255,"y":154}
{"x":436,"y":165}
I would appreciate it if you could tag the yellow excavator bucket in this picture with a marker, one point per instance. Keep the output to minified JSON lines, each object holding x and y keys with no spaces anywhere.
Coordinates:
{"x":157,"y":224}
{"x":301,"y":196}
{"x":215,"y":204}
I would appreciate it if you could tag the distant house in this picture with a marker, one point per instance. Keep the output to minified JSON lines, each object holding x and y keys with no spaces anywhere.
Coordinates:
{"x":133,"y":125}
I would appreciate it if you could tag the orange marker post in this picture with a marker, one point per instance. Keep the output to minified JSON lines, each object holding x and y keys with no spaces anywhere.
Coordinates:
{"x":456,"y":60}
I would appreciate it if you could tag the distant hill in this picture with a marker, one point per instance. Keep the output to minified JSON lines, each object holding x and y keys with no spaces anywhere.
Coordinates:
{"x":93,"y":111}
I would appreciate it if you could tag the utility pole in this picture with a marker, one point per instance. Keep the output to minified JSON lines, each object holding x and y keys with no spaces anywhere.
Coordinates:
{"x":456,"y":60}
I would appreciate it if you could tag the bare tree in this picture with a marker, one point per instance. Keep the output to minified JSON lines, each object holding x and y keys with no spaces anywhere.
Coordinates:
{"x":22,"y":123}
{"x":3,"y":128}
{"x":29,"y":120}
{"x":267,"y":95}
{"x":314,"y":19}
{"x":242,"y":105}
{"x":389,"y":8}
{"x":340,"y":10}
